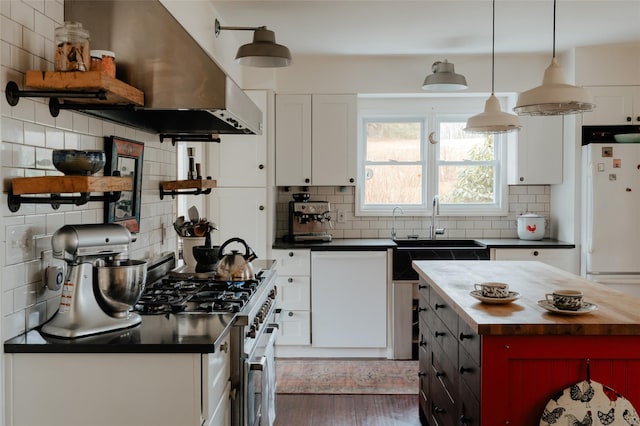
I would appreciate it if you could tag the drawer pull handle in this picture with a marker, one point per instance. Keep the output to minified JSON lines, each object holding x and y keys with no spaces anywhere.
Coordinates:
{"x":465,"y":370}
{"x":465,"y":336}
{"x":438,"y":306}
{"x":464,"y":420}
{"x":440,"y":374}
{"x":421,"y":287}
{"x":290,"y":280}
{"x":438,"y":410}
{"x":422,"y":343}
{"x":440,"y":333}
{"x":421,"y":309}
{"x":421,"y":374}
{"x":290,"y":314}
{"x":224,"y":347}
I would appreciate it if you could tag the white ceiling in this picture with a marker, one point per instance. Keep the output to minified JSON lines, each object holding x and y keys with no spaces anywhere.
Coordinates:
{"x":434,"y":27}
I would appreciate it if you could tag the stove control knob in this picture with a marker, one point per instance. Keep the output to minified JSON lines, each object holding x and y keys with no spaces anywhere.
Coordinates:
{"x":252,"y":332}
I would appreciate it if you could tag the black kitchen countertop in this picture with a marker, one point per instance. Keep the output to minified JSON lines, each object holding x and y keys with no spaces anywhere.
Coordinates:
{"x":163,"y":333}
{"x":346,"y":244}
{"x":158,"y":333}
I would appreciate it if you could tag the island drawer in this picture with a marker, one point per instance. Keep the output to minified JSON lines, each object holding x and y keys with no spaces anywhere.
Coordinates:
{"x":469,"y":372}
{"x":443,"y":408}
{"x":469,"y":340}
{"x":444,"y":311}
{"x":469,"y":407}
{"x":442,"y":336}
{"x":443,"y":372}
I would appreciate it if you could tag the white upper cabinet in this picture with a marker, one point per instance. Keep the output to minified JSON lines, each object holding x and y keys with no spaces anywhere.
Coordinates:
{"x":536,"y":156}
{"x":316,"y":140}
{"x":293,"y":140}
{"x":615,"y":105}
{"x":334,"y":143}
{"x":241,"y":160}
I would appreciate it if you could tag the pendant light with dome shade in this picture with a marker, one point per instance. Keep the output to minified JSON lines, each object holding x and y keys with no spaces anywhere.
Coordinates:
{"x":493,"y":120}
{"x":554,"y":96}
{"x":263,"y":52}
{"x":444,"y":78}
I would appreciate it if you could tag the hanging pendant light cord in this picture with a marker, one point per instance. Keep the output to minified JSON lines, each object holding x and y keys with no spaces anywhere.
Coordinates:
{"x":493,"y":46}
{"x":554,"y":28}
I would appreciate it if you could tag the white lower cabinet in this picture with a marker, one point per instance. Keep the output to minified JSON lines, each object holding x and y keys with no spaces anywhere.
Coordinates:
{"x":293,"y":296}
{"x":106,"y":389}
{"x":349,"y":299}
{"x":563,"y":258}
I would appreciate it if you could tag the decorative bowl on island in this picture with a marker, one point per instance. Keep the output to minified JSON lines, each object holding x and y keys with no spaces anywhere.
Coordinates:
{"x":74,"y":162}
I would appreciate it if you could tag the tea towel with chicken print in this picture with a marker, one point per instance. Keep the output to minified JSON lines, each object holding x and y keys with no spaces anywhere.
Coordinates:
{"x":589,"y":403}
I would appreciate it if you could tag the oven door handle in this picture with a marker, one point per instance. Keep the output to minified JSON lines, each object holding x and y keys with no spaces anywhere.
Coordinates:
{"x":261,"y":363}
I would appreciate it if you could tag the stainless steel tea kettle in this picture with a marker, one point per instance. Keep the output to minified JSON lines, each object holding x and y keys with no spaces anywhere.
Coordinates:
{"x":235,"y":266}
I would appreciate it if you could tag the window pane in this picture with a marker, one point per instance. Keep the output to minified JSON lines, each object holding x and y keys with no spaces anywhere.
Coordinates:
{"x":458,"y":145}
{"x":393,"y":185}
{"x":466,"y":184}
{"x":393,"y":141}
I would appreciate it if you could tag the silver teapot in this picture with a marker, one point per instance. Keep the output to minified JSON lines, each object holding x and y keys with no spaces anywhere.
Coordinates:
{"x":235,"y":266}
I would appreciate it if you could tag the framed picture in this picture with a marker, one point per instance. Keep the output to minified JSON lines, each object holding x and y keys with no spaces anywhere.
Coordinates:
{"x":124,"y":157}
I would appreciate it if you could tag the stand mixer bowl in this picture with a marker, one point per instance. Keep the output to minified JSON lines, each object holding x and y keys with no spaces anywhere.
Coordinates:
{"x":118,"y":285}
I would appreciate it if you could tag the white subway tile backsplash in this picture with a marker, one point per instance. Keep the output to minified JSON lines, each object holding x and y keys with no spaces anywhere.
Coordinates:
{"x":25,"y":110}
{"x":44,"y":25}
{"x":23,"y":14}
{"x":12,"y":130}
{"x":54,"y":222}
{"x":5,"y":8}
{"x":37,"y":5}
{"x":54,"y":138}
{"x":64,"y":120}
{"x":13,"y":276}
{"x":80,"y":123}
{"x":21,"y":59}
{"x":11,"y":32}
{"x":20,"y":246}
{"x":13,"y":324}
{"x":7,"y":302}
{"x":54,"y":10}
{"x":33,"y":43}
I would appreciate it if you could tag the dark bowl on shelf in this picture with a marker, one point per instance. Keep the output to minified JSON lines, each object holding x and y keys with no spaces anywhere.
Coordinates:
{"x":73,"y":162}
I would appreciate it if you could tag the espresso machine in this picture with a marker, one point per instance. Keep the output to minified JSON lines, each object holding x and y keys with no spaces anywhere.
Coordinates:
{"x":101,"y":284}
{"x":309,"y":220}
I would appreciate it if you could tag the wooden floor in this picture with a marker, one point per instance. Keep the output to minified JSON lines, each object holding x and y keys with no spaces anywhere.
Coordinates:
{"x":346,"y":410}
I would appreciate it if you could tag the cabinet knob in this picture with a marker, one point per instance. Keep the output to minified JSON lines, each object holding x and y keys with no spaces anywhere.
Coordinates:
{"x":421,"y":374}
{"x":465,"y":336}
{"x":351,"y":180}
{"x":307,"y":180}
{"x":439,"y":333}
{"x":438,"y":306}
{"x":290,"y":254}
{"x":224,"y":347}
{"x":629,"y":119}
{"x":536,"y":253}
{"x":290,"y":314}
{"x":440,"y":374}
{"x":521,"y":178}
{"x":438,"y":410}
{"x":261,"y":166}
{"x":422,"y":343}
{"x":261,"y":208}
{"x":421,"y":287}
{"x":464,"y":420}
{"x":421,"y":309}
{"x":290,"y":280}
{"x":638,"y":118}
{"x":465,"y":370}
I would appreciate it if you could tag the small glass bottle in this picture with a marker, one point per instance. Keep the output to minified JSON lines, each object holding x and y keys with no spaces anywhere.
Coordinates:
{"x":72,"y":48}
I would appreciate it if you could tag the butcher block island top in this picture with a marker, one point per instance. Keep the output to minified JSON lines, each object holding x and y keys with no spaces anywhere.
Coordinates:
{"x":617,"y":313}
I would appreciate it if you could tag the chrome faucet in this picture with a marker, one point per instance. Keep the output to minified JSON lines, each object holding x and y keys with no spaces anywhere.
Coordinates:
{"x":435,"y":210}
{"x":393,"y":227}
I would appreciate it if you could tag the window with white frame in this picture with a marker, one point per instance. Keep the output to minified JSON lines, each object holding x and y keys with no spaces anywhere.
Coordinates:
{"x":406,"y":159}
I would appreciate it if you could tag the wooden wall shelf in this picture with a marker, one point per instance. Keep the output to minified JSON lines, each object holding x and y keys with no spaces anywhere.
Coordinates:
{"x":77,"y":90}
{"x":187,"y":187}
{"x":111,"y":186}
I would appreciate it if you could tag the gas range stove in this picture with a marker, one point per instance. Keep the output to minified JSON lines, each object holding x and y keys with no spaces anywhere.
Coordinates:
{"x":195,"y":293}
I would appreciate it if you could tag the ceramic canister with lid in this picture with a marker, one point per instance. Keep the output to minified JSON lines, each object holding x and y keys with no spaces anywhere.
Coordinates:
{"x":531,"y":226}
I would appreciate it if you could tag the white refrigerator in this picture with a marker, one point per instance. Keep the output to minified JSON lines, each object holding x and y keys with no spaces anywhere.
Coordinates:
{"x":611,"y":215}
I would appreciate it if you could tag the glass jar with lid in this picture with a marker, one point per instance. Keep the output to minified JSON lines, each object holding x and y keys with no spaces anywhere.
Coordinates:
{"x":72,"y":48}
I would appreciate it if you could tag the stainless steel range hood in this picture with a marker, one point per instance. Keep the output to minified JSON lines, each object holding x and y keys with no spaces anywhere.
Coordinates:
{"x":185,"y":90}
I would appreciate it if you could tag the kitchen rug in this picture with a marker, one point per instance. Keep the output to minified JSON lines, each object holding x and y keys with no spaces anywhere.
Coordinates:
{"x":346,"y":376}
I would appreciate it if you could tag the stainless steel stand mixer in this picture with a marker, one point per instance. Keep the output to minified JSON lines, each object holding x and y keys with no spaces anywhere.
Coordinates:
{"x":101,"y":284}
